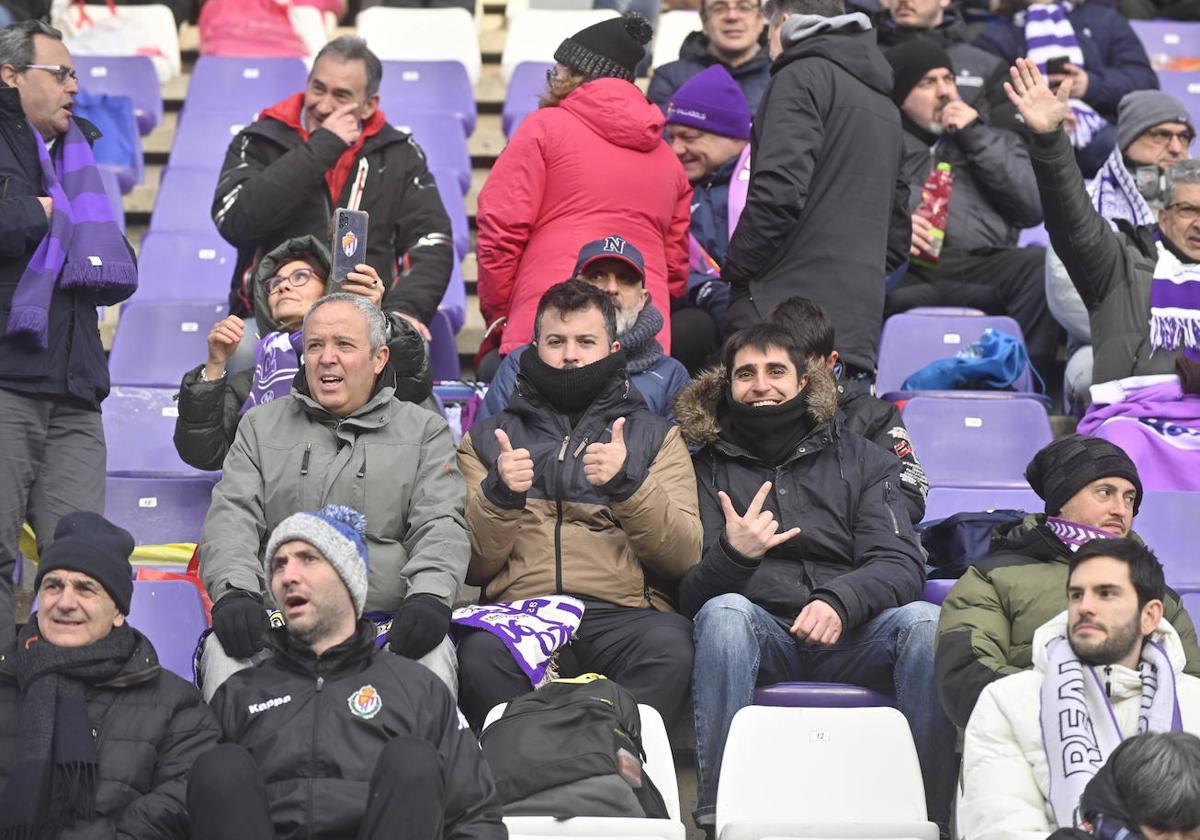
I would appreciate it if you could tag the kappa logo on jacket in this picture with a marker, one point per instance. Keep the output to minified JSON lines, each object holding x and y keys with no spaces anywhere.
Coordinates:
{"x":365,"y":703}
{"x":266,"y":705}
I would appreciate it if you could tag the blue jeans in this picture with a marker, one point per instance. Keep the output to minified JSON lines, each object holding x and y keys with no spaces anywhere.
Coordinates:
{"x":740,"y":645}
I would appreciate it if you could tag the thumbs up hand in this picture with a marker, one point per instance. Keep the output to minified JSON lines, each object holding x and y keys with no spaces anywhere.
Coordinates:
{"x":602,"y":461}
{"x":515,"y":466}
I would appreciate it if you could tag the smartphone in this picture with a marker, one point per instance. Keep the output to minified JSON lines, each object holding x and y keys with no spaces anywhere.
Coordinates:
{"x":1057,"y":66}
{"x":349,"y":246}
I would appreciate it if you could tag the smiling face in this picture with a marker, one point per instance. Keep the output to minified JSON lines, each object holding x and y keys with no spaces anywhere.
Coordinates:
{"x":46,"y":101}
{"x":573,"y":339}
{"x":334,"y":84}
{"x":316,"y":603}
{"x":288,"y":302}
{"x":918,"y":14}
{"x":1104,"y":624}
{"x":339,"y":365}
{"x":74,"y":609}
{"x":701,"y":152}
{"x":733,"y":28}
{"x":765,"y":377}
{"x":1106,"y":504}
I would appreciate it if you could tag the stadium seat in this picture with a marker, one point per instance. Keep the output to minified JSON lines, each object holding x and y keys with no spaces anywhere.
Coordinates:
{"x":441,"y":87}
{"x":440,"y":137}
{"x":909,"y":342}
{"x":443,"y":349}
{"x":659,"y":766}
{"x":456,"y":208}
{"x":138,"y":426}
{"x":535,"y":34}
{"x":203,"y":137}
{"x":158,"y":340}
{"x":255,"y":82}
{"x":454,"y":301}
{"x":184,"y":201}
{"x":1168,"y":40}
{"x":422,"y":35}
{"x":935,"y":590}
{"x":947,"y":501}
{"x":152,"y":31}
{"x":170,"y":614}
{"x":113,"y":190}
{"x":184,"y":265}
{"x":673,"y":28}
{"x":130,"y":75}
{"x":821,"y":773}
{"x":521,"y":99}
{"x":158,"y":510}
{"x":1191,"y":603}
{"x":1185,"y":87}
{"x":976,"y":442}
{"x":819,"y":695}
{"x":958,"y":311}
{"x":1165,"y":522}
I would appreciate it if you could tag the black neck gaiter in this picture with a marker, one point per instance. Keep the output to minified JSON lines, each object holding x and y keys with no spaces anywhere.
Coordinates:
{"x":570,"y":390}
{"x":769,"y":432}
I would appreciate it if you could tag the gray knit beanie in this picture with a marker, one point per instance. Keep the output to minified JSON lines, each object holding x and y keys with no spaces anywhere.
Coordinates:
{"x":337,"y":532}
{"x":1144,"y":109}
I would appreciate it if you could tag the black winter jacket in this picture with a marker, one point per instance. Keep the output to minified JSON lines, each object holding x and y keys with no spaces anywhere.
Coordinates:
{"x":272,"y":188}
{"x":293,"y":714}
{"x":150,"y":727}
{"x":752,"y":76}
{"x":73,"y":363}
{"x":856,"y":551}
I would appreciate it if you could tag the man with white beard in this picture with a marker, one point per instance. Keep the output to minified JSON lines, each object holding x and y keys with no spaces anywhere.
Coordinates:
{"x":614,"y":266}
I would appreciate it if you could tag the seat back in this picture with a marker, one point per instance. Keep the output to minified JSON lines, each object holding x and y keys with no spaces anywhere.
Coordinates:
{"x":203,"y":137}
{"x":441,"y":138}
{"x":672,"y":30}
{"x":139,"y":424}
{"x":1164,"y":522}
{"x":158,"y":510}
{"x":170,"y":614}
{"x":127,"y":75}
{"x":455,"y":205}
{"x":256,"y":82}
{"x":947,"y":501}
{"x":174,"y":331}
{"x":441,"y":87}
{"x":184,"y":265}
{"x":909,"y":342}
{"x":535,"y":34}
{"x":1167,"y":39}
{"x":184,"y":200}
{"x":1184,"y":86}
{"x":521,"y":98}
{"x":422,"y":35}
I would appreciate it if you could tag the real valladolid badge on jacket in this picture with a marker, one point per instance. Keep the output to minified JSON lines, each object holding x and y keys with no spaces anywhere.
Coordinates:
{"x":365,"y":703}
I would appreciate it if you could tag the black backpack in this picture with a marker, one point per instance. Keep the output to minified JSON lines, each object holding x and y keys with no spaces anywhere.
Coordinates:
{"x":572,"y":748}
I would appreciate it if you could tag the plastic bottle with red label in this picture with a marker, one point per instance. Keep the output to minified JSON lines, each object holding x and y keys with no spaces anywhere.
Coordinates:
{"x":935,"y":205}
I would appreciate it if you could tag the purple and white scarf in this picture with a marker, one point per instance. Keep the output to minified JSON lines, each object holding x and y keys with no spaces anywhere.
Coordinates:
{"x":533,"y":630}
{"x":1175,"y":304}
{"x":84,"y":248}
{"x":1079,"y":728}
{"x":1049,"y":34}
{"x":276,"y":361}
{"x":1115,"y":195}
{"x":1072,"y":534}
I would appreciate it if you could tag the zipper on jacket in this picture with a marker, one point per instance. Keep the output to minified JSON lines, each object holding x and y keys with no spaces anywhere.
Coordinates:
{"x":558,"y":515}
{"x":1108,"y":681}
{"x":562,"y":450}
{"x":582,"y":445}
{"x":313,"y":757}
{"x":362,"y":471}
{"x":887,"y":503}
{"x":304,"y":461}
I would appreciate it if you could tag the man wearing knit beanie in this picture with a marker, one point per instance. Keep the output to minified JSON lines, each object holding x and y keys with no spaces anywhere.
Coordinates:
{"x":356,"y":741}
{"x":708,"y":127}
{"x":1091,"y":490}
{"x":992,"y":198}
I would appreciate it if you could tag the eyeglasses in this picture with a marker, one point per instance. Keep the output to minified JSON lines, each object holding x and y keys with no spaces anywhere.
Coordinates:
{"x":60,"y":72}
{"x":721,"y":9}
{"x":1186,"y":212}
{"x":1162,"y":137}
{"x":296,"y":279}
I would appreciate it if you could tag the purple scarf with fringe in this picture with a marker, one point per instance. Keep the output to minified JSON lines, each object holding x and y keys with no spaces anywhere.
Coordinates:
{"x":84,"y":248}
{"x":1174,"y":304}
{"x":276,"y":361}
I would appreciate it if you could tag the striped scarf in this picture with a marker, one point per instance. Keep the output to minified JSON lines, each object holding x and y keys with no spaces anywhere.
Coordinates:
{"x":1049,"y":34}
{"x":1115,"y":195}
{"x":1072,"y":534}
{"x":1175,"y":304}
{"x":84,"y":248}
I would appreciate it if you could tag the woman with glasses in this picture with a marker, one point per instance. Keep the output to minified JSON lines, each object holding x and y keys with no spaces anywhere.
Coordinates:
{"x":288,"y":281}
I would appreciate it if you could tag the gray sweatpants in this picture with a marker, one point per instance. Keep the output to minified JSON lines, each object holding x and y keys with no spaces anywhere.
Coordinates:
{"x":52,"y":461}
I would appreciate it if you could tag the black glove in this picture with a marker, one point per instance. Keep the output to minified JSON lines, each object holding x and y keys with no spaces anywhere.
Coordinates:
{"x":240,"y":622}
{"x":419,"y":626}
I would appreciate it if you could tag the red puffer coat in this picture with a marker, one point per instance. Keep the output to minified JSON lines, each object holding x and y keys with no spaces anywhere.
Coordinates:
{"x":594,"y":166}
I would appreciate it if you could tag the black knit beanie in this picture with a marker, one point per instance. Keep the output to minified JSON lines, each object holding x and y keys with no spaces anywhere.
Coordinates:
{"x":610,"y":48}
{"x":911,"y":61}
{"x":1066,"y":466}
{"x":87,"y":542}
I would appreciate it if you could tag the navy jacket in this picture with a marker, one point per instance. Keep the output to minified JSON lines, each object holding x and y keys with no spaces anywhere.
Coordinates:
{"x":752,"y":77}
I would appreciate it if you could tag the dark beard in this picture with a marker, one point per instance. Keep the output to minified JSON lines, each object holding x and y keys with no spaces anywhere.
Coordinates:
{"x":1119,"y":644}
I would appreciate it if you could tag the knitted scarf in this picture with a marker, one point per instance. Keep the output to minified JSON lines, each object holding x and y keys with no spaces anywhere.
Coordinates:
{"x":533,"y":630}
{"x":53,"y":783}
{"x":1079,"y":728}
{"x":1115,"y":195}
{"x":1049,"y":34}
{"x":288,"y":112}
{"x":642,"y":350}
{"x":276,"y":361}
{"x":571,"y":390}
{"x":1072,"y":534}
{"x":1175,"y":304}
{"x":84,"y":248}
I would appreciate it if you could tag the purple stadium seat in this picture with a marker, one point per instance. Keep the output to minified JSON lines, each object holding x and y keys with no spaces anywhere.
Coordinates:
{"x":158,"y":340}
{"x":947,"y":501}
{"x":443,"y":348}
{"x":1184,"y":86}
{"x":440,"y":137}
{"x":526,"y":85}
{"x":820,"y":695}
{"x":184,"y":200}
{"x":113,"y":190}
{"x":936,"y":590}
{"x":203,"y":136}
{"x":456,"y":209}
{"x":976,"y":442}
{"x":138,"y":426}
{"x":1165,"y":522}
{"x":909,"y":342}
{"x":170,"y":614}
{"x":131,"y":76}
{"x":255,"y":82}
{"x":427,"y":86}
{"x":158,"y":510}
{"x":1191,"y":603}
{"x":184,"y":266}
{"x":454,"y":301}
{"x":958,"y":311}
{"x":1167,"y":39}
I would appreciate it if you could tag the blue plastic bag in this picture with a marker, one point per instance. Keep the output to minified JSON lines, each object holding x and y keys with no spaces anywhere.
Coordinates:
{"x":995,"y":362}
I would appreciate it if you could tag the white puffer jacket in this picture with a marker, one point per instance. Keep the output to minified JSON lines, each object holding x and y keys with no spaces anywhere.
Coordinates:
{"x":1005,"y":775}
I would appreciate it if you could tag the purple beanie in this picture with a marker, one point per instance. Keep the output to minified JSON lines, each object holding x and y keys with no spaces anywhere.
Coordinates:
{"x":711,"y":101}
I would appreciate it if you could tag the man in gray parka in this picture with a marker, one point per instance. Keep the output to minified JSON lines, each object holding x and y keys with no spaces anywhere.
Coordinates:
{"x":340,"y":438}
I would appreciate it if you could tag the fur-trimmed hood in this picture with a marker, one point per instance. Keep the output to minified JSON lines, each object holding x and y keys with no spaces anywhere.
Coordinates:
{"x":696,"y":405}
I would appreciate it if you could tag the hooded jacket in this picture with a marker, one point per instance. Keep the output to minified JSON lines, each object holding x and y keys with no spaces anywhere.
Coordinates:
{"x":391,"y":460}
{"x":751,"y":76}
{"x":856,"y":550}
{"x":1005,"y":780}
{"x":592,"y":165}
{"x":272,"y":188}
{"x":209,"y":412}
{"x":988,"y":620}
{"x":293,"y":713}
{"x":150,"y":727}
{"x":825,"y":205}
{"x":627,"y":542}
